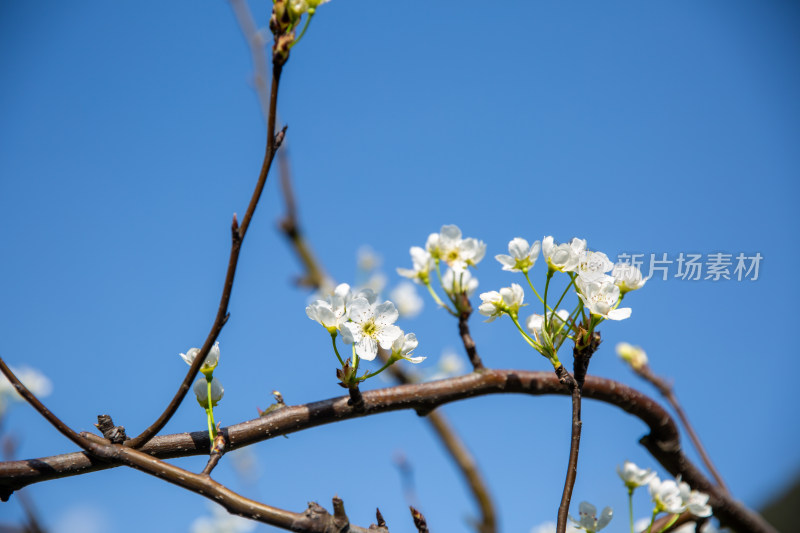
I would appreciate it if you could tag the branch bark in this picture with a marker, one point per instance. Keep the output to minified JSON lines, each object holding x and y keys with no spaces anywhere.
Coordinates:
{"x":663,"y":441}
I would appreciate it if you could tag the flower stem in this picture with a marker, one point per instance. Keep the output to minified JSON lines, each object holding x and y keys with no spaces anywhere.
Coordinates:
{"x":335,"y":349}
{"x":389,"y":363}
{"x":669,"y":524}
{"x":439,"y":300}
{"x":308,"y":21}
{"x":652,"y":520}
{"x":571,"y":282}
{"x":355,"y":363}
{"x":212,"y":427}
{"x":630,"y":507}
{"x":544,"y":301}
{"x":530,"y":283}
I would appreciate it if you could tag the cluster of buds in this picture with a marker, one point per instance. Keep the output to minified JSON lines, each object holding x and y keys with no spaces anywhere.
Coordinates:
{"x":286,"y":16}
{"x":365,"y":324}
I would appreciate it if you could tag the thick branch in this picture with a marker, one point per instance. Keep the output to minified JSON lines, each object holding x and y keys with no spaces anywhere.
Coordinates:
{"x":662,"y":441}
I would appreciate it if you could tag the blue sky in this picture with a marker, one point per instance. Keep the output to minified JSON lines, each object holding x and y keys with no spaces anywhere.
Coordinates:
{"x":131,"y":133}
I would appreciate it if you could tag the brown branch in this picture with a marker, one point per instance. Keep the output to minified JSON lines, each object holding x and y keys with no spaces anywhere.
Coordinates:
{"x":466,"y":338}
{"x":419,"y":521}
{"x":238,"y":233}
{"x":585,"y":346}
{"x":669,"y":394}
{"x":459,"y":452}
{"x":314,"y":520}
{"x":256,"y":43}
{"x":663,"y":441}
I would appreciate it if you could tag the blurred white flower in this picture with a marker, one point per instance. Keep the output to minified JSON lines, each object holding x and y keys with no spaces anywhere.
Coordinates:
{"x":212,"y":359}
{"x":367,"y":260}
{"x":633,"y":476}
{"x":551,"y":527}
{"x":221,"y":521}
{"x":453,"y":283}
{"x":35,"y":381}
{"x":408,"y":302}
{"x":633,"y":355}
{"x":422,"y":262}
{"x":666,"y":495}
{"x":696,"y":501}
{"x":458,"y":253}
{"x":627,"y":277}
{"x":522,"y":257}
{"x":371,"y":325}
{"x":200,"y":389}
{"x":589,"y":520}
{"x":450,"y":364}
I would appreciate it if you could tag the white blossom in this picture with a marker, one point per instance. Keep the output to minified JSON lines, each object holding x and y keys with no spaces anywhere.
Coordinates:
{"x":589,"y":519}
{"x":370,"y":325}
{"x":563,"y":257}
{"x":403,"y":346}
{"x":558,"y":322}
{"x":666,"y":495}
{"x":458,"y":253}
{"x":522,"y":255}
{"x":423,"y":264}
{"x":408,"y":302}
{"x":633,"y":355}
{"x":592,"y":266}
{"x":200,"y":389}
{"x":633,"y":476}
{"x":463,"y":282}
{"x":330,"y":312}
{"x":600,"y":298}
{"x":696,"y":502}
{"x":495,"y":303}
{"x":627,"y":277}
{"x":212,"y":359}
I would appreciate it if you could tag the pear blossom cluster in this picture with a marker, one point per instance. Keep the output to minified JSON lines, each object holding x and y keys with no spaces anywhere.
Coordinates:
{"x":365,"y":323}
{"x":599,"y":284}
{"x":668,"y":496}
{"x":458,"y":254}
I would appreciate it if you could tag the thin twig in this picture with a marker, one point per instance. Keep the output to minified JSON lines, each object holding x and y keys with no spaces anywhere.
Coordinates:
{"x":419,"y":521}
{"x":459,"y":452}
{"x":663,"y":441}
{"x":667,"y":391}
{"x":238,"y":232}
{"x":314,"y":520}
{"x":466,"y":337}
{"x":585,"y":346}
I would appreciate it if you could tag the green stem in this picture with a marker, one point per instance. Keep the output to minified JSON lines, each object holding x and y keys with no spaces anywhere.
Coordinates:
{"x":669,"y":524}
{"x":439,"y":300}
{"x":335,"y":349}
{"x":530,"y":283}
{"x":652,"y":520}
{"x":535,"y":345}
{"x":212,"y":427}
{"x":630,"y":507}
{"x":571,"y":282}
{"x":355,"y":363}
{"x":308,"y":21}
{"x":389,"y":363}
{"x":544,"y":301}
